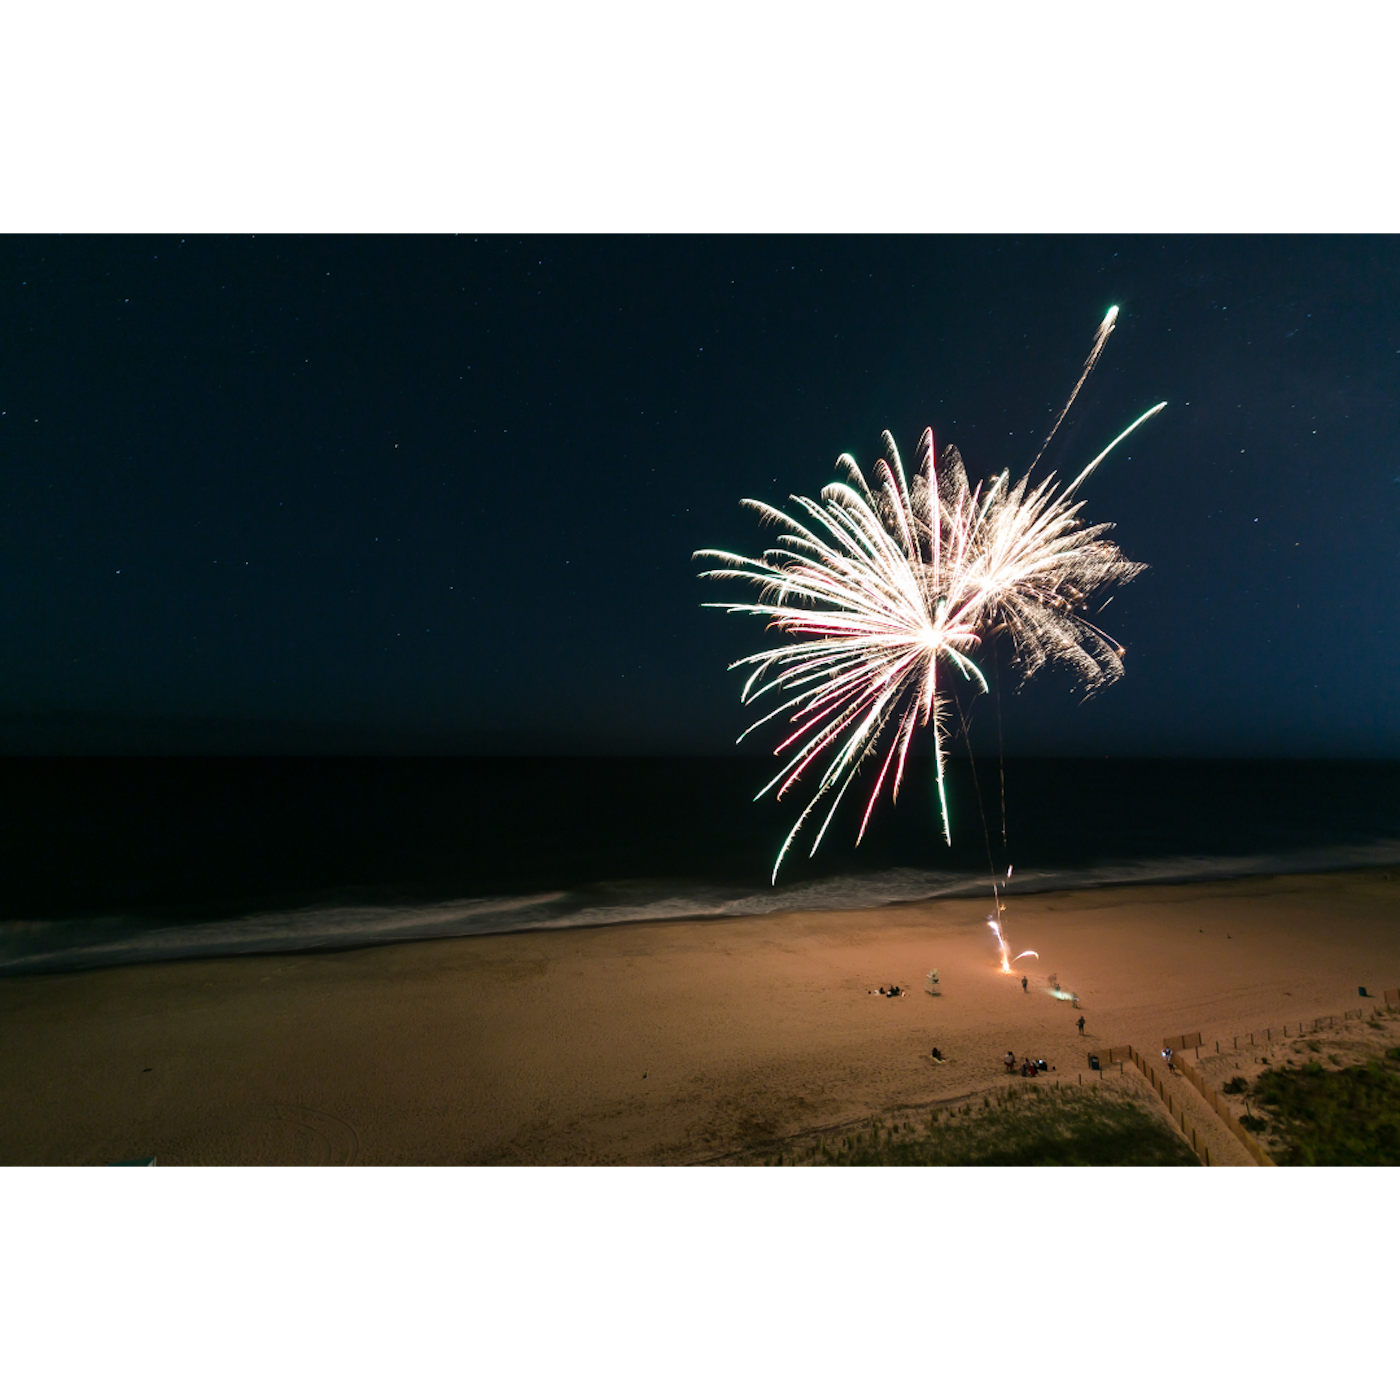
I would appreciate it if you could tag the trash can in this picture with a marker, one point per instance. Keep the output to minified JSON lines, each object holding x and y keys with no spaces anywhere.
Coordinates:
{"x":1093,"y":1062}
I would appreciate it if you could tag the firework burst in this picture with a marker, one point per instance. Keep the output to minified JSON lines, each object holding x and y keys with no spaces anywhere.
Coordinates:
{"x":894,"y":586}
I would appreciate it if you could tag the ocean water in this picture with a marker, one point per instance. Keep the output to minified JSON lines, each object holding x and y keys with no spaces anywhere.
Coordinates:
{"x":108,"y":861}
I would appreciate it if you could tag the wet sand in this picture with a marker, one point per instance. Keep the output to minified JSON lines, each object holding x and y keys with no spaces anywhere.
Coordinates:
{"x":655,"y":1043}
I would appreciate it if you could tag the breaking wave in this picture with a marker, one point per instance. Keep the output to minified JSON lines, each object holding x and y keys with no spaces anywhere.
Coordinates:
{"x":70,"y":945}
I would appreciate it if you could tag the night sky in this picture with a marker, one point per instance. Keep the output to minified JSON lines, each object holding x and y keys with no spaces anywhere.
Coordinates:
{"x":350,"y":494}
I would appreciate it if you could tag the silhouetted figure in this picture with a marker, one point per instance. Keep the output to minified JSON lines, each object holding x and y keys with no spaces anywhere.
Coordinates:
{"x":1081,"y":1025}
{"x":937,"y":1054}
{"x":1024,"y":987}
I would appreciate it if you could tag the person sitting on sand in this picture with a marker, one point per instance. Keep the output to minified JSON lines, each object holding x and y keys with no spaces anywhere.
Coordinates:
{"x":937,"y":1055}
{"x":1041,"y":1066}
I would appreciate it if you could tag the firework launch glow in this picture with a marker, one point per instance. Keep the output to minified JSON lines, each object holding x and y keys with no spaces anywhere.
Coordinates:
{"x":895,"y":588}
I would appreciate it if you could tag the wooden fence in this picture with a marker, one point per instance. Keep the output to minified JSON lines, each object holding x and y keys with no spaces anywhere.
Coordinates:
{"x":1266,"y":1036}
{"x":1160,"y":1081}
{"x":1222,"y":1109}
{"x":1182,"y":1042}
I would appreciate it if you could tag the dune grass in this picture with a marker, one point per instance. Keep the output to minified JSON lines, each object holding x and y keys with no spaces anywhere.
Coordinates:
{"x":1031,"y":1126}
{"x":1331,"y":1117}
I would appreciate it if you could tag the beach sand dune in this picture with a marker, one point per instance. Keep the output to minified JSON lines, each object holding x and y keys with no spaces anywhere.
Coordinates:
{"x":663,"y":1043}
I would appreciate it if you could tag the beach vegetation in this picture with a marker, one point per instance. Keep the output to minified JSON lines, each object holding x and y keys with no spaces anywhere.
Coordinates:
{"x":1236,"y":1086}
{"x":1068,"y":1127}
{"x":1340,"y":1117}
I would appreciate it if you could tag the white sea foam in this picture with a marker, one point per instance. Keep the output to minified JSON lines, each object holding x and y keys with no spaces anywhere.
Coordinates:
{"x":69,"y":945}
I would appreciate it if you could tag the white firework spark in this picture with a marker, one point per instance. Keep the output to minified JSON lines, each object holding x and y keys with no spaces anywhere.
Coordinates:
{"x":902,"y":577}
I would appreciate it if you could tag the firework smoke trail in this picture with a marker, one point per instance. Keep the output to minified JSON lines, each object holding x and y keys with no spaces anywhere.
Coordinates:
{"x":897,"y":584}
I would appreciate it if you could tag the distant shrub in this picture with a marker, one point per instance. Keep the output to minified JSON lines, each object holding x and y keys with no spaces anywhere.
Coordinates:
{"x":1237,"y":1085}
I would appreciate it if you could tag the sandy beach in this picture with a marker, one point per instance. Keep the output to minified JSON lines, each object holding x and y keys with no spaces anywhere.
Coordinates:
{"x":662,"y":1043}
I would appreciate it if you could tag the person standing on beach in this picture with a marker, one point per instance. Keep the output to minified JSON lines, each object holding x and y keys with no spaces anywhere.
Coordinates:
{"x":1081,"y":1025}
{"x":1024,"y":987}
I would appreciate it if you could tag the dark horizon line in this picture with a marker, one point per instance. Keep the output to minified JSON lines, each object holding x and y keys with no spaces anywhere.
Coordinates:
{"x":191,"y":739}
